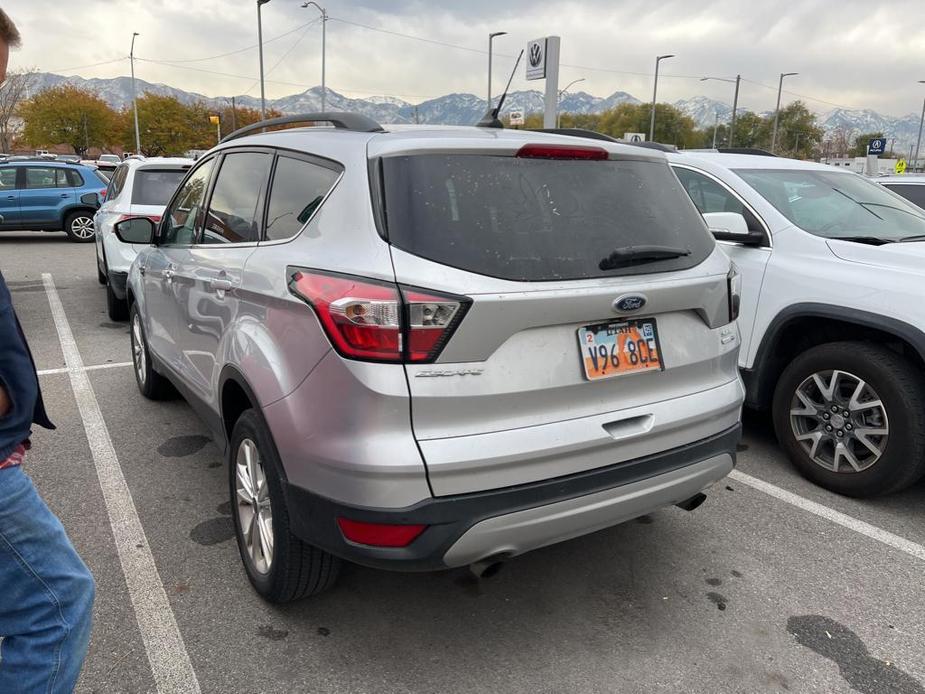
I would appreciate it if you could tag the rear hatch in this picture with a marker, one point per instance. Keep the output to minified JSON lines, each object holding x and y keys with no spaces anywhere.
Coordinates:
{"x":591,"y":295}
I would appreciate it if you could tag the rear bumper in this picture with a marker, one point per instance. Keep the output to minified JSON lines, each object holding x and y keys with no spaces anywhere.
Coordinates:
{"x":469,"y":527}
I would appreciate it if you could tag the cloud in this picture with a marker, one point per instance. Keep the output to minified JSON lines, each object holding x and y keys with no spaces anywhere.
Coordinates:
{"x":852,"y":53}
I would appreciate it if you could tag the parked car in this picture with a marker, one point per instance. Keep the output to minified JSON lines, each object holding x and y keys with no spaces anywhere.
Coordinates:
{"x":69,"y":158}
{"x":109,"y":159}
{"x":49,"y":196}
{"x":431,"y":347}
{"x":138,"y":188}
{"x":832,"y":318}
{"x":911,"y":187}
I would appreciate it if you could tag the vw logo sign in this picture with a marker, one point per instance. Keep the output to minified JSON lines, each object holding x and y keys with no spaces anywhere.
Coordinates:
{"x":536,"y":54}
{"x":629,"y":303}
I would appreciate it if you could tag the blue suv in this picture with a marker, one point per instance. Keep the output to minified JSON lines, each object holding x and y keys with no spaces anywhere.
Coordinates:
{"x":50,"y":196}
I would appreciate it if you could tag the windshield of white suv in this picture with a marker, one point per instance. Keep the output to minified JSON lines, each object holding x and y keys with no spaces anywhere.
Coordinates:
{"x":542,"y":219}
{"x":837,"y":205}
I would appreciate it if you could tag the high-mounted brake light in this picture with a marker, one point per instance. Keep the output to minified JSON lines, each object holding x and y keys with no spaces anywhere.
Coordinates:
{"x":379,"y":534}
{"x":372,"y":320}
{"x":562,"y":152}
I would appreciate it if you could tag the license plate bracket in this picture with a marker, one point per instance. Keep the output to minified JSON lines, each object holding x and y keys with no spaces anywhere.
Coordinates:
{"x":618,"y":348}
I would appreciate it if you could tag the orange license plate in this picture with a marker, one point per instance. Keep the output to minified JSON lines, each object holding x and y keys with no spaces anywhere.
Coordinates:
{"x":620,"y":347}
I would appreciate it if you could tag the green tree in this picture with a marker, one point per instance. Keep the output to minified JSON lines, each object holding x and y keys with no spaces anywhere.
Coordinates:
{"x":751,"y":131}
{"x":68,"y":115}
{"x":167,"y":127}
{"x":798,"y":136}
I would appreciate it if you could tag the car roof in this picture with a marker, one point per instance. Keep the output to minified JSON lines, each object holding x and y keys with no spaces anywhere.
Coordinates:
{"x":155,"y":162}
{"x":749,"y":161}
{"x":396,"y":138}
{"x":905,"y":178}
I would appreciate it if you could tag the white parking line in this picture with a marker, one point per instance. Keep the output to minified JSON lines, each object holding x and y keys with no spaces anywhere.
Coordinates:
{"x":94,"y":367}
{"x":170,"y":663}
{"x":872,"y":531}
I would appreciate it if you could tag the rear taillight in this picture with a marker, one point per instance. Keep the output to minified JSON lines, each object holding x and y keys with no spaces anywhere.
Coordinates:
{"x":562,"y":152}
{"x":372,"y":320}
{"x":379,"y":534}
{"x":102,"y":194}
{"x":153,"y":217}
{"x":734,"y":291}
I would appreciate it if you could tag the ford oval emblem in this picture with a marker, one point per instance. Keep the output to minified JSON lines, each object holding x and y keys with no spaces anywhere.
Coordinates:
{"x":628,"y":303}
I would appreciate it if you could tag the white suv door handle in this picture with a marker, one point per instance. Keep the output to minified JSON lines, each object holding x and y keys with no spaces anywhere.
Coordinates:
{"x":221,"y":284}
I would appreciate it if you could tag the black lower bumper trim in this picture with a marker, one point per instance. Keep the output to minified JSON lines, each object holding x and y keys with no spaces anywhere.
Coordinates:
{"x":313,"y":517}
{"x":118,"y":280}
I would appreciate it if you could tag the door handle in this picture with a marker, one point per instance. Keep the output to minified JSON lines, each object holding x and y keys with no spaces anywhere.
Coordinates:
{"x":220,"y":284}
{"x":64,"y":195}
{"x":10,"y":197}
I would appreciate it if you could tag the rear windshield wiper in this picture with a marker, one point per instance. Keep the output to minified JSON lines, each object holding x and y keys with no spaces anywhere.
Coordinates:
{"x":870,"y":240}
{"x":916,"y":237}
{"x":631,"y":255}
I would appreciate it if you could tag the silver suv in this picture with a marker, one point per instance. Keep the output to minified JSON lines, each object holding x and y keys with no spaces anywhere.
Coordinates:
{"x":426,"y":347}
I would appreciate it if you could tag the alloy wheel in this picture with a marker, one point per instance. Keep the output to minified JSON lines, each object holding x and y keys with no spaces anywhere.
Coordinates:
{"x":255,"y":515}
{"x":82,"y":227}
{"x":139,"y":357}
{"x":839,"y":421}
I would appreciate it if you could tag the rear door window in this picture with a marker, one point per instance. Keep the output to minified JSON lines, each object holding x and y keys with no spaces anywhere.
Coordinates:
{"x":297,"y":191}
{"x":538,"y":219}
{"x":155,"y":186}
{"x":236,"y":209}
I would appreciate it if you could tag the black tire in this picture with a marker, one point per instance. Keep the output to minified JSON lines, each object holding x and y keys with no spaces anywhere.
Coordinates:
{"x":75,"y":225}
{"x":297,"y":569}
{"x":100,"y":274}
{"x":116,"y":308}
{"x":899,"y":385}
{"x":150,"y":383}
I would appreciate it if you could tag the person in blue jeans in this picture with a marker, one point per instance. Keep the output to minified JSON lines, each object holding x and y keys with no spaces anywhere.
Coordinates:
{"x":46,"y":591}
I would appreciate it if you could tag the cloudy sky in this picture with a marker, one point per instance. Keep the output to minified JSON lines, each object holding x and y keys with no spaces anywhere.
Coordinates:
{"x":851,"y":53}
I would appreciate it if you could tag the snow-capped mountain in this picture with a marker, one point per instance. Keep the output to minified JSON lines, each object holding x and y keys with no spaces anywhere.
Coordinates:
{"x":465,"y":109}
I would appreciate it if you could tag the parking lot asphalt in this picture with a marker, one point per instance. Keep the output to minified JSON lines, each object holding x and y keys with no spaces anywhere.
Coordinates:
{"x":762,"y":589}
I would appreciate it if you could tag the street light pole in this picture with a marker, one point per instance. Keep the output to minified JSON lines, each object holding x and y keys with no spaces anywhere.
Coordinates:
{"x":658,"y":59}
{"x":263,"y":100}
{"x":561,"y":92}
{"x":735,"y":102}
{"x":131,"y":58}
{"x":780,"y":87}
{"x":324,"y":24}
{"x":918,"y":142}
{"x":490,"y":39}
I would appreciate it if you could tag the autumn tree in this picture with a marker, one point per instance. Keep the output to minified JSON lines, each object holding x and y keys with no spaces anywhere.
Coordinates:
{"x":68,"y":115}
{"x":164,"y":124}
{"x":13,"y":92}
{"x":797,"y":133}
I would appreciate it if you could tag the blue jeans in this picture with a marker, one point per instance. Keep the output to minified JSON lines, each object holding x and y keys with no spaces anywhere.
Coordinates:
{"x":46,"y":594}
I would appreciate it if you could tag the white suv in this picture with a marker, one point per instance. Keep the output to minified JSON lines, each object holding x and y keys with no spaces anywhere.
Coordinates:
{"x":832,"y":316}
{"x":138,"y":188}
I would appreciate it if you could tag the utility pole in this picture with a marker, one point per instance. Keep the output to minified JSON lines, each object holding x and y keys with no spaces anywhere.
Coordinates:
{"x":658,"y":59}
{"x":735,"y":104}
{"x":234,"y":116}
{"x":263,"y":100}
{"x":490,"y":39}
{"x":780,"y":87}
{"x":416,"y":120}
{"x":918,"y":142}
{"x":131,"y":58}
{"x":715,"y":126}
{"x":324,"y":23}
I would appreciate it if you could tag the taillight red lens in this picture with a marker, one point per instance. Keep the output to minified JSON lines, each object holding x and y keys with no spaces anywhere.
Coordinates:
{"x":562,"y":152}
{"x":375,"y":321}
{"x":361,"y":317}
{"x":431,"y":320}
{"x":379,"y":534}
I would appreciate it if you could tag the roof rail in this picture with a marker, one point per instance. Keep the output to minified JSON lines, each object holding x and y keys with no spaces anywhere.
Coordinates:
{"x":576,"y":132}
{"x":745,"y":150}
{"x":342,"y":120}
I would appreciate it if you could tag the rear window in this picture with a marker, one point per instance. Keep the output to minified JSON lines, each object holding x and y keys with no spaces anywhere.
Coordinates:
{"x":538,"y":219}
{"x":155,"y":186}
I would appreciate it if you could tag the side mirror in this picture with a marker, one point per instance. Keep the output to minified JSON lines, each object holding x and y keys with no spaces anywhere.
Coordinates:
{"x":135,"y":230}
{"x":731,"y":226}
{"x":91,"y":199}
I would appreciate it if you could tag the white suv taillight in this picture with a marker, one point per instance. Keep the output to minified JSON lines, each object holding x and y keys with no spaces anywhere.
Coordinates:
{"x":371,"y":320}
{"x":734,"y":289}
